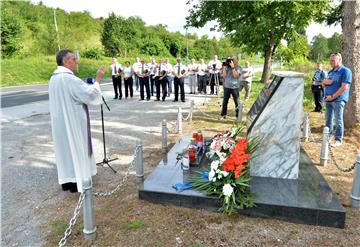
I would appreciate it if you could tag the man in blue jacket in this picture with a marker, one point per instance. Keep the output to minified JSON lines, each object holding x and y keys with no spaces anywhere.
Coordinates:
{"x":337,"y":87}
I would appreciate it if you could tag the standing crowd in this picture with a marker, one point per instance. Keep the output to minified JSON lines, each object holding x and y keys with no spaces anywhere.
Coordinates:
{"x":161,"y":78}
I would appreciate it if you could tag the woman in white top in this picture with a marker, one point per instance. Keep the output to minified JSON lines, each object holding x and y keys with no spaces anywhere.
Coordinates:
{"x":128,"y":73}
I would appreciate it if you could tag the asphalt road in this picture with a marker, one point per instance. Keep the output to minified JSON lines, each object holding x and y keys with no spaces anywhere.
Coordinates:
{"x":22,"y":95}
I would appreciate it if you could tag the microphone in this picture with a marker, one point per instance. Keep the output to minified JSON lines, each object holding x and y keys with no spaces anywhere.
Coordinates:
{"x":90,"y":80}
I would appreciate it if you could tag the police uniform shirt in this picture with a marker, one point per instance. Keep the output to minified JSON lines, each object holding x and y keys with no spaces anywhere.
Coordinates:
{"x":191,"y":68}
{"x":178,"y":68}
{"x":115,"y":68}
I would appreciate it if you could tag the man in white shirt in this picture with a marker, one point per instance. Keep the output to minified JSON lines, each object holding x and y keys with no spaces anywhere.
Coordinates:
{"x":192,"y":72}
{"x":115,"y":70}
{"x":136,"y":66}
{"x":202,"y":76}
{"x":151,"y":66}
{"x":160,"y":80}
{"x":69,"y":98}
{"x":143,"y":74}
{"x":246,"y":79}
{"x":170,"y":77}
{"x":179,"y":71}
{"x":214,"y":67}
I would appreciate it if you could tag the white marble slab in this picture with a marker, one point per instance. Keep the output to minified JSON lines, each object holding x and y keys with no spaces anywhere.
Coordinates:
{"x":279,"y":127}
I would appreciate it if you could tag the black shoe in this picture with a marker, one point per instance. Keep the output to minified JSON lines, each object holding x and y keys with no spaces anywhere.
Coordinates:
{"x":183,"y":101}
{"x":175,"y":100}
{"x":70,"y":186}
{"x":120,"y":98}
{"x":148,"y":99}
{"x":115,"y":97}
{"x":73,"y":188}
{"x":157,"y":100}
{"x":163,"y":99}
{"x":141,"y":99}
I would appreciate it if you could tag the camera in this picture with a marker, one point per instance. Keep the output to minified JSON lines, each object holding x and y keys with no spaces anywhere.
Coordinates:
{"x":227,"y":62}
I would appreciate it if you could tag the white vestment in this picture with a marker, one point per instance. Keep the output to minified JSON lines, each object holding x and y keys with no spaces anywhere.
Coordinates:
{"x":67,"y":96}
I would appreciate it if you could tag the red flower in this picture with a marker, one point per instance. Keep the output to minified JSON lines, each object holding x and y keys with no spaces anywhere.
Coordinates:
{"x":237,"y":160}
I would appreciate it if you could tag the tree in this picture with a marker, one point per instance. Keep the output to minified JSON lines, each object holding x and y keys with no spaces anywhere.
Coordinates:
{"x":319,"y":49}
{"x":335,"y":43}
{"x":11,"y":32}
{"x":259,"y":25}
{"x":351,"y":55}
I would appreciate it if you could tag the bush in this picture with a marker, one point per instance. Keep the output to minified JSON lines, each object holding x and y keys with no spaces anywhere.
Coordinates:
{"x":92,"y":53}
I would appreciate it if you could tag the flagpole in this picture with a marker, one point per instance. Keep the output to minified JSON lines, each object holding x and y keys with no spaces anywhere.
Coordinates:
{"x":57,"y":30}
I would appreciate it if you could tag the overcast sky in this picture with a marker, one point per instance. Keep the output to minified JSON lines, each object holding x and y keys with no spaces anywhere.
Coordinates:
{"x":168,"y":12}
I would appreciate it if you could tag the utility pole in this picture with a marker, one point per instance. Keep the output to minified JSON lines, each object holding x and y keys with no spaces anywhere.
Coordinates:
{"x":187,"y":46}
{"x":57,"y":30}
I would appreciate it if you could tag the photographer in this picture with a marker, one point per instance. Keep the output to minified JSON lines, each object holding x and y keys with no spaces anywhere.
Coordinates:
{"x":69,"y":97}
{"x":231,"y":72}
{"x":316,"y":87}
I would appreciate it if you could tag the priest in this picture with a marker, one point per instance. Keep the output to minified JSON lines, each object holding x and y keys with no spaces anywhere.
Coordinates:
{"x":69,"y":98}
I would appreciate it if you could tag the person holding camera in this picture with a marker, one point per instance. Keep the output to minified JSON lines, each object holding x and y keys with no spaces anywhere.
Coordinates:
{"x":316,"y":87}
{"x":231,"y":72}
{"x":179,"y":72}
{"x":143,"y":74}
{"x":115,"y":70}
{"x":69,"y":97}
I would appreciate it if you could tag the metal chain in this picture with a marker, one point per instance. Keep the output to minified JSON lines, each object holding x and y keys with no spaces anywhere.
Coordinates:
{"x":174,"y":130}
{"x":72,"y":220}
{"x":117,"y":188}
{"x":186,"y":118}
{"x":205,"y":114}
{"x":349,"y":169}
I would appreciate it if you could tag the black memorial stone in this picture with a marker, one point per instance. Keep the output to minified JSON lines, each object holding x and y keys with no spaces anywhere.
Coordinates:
{"x":306,"y":200}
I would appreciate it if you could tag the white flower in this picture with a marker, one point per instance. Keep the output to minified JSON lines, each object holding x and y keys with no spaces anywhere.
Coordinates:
{"x":227,"y":190}
{"x":211,"y":175}
{"x":214,"y":179}
{"x":224,"y":173}
{"x":215,"y":164}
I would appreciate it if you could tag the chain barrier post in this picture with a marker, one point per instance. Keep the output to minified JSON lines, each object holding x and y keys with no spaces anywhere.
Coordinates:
{"x":179,"y":121}
{"x":88,"y":211}
{"x":306,"y":127}
{"x":355,"y":194}
{"x":240,"y":110}
{"x":192,"y":103}
{"x":164,"y":141}
{"x":324,"y":147}
{"x":139,"y":160}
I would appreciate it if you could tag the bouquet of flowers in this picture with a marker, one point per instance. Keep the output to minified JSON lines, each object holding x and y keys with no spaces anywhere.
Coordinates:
{"x":228,"y":174}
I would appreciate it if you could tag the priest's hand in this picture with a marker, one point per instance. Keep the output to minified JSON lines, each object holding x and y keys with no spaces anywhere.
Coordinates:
{"x":100,"y":73}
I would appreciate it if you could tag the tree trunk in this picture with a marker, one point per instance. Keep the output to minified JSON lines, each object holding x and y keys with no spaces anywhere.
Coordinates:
{"x":351,"y":56}
{"x":267,"y":63}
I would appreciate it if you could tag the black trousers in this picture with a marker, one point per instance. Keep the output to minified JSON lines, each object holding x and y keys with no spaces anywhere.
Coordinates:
{"x":129,"y":86}
{"x":202,"y":83}
{"x":152,"y":84}
{"x":318,"y":93}
{"x":163,"y":84}
{"x":144,"y":82}
{"x":214,"y":77}
{"x":179,"y":83}
{"x":117,"y":85}
{"x":234,"y":92}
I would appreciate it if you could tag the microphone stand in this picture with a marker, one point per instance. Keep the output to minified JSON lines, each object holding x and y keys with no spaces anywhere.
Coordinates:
{"x":105,"y":160}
